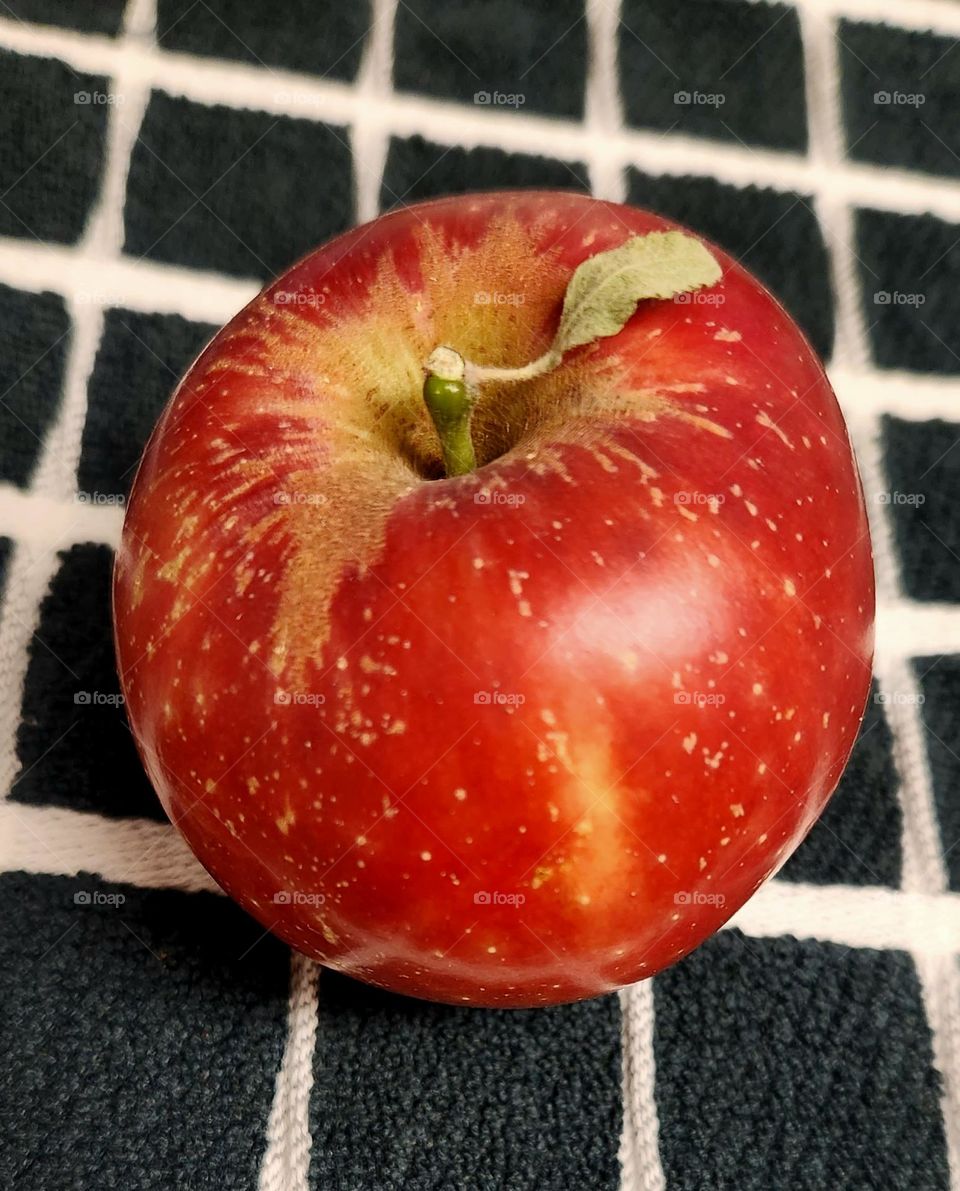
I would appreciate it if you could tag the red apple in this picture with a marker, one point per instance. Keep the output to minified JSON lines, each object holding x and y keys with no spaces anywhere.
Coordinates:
{"x":526,"y":734}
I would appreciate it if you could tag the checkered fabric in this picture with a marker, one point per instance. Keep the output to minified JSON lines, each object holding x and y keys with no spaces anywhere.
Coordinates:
{"x":159,"y":160}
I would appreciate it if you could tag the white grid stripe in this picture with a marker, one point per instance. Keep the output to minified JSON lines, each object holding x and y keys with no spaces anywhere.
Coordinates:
{"x":44,"y":833}
{"x":640,"y":1164}
{"x":922,"y":918}
{"x":286,"y":1164}
{"x":826,"y":153}
{"x":33,"y":565}
{"x":370,"y":137}
{"x":212,"y":81}
{"x":923,"y":863}
{"x":924,"y":869}
{"x":603,"y":111}
{"x":63,"y":842}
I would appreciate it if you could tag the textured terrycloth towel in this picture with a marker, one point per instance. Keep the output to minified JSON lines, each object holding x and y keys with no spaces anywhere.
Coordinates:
{"x":158,"y":162}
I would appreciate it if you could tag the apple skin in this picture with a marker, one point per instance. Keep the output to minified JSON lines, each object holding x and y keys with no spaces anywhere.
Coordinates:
{"x":526,"y":735}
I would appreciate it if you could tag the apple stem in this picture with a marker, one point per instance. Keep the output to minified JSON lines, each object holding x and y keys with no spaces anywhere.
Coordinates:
{"x":450,"y":404}
{"x":479,"y":374}
{"x":449,"y":392}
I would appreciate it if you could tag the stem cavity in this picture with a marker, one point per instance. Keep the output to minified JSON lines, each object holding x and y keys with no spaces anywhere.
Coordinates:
{"x":600,"y":298}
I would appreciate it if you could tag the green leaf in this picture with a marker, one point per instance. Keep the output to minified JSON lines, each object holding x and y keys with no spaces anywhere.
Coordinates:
{"x":605,"y":289}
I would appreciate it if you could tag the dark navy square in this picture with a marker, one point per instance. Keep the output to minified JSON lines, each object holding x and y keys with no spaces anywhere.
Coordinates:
{"x":418,"y":1096}
{"x":923,"y":473}
{"x":939,"y":679}
{"x":73,"y":743}
{"x":503,"y":54}
{"x":140,"y":360}
{"x":142,"y":1033}
{"x":87,"y":16}
{"x":775,"y":234}
{"x":238,"y":191}
{"x":857,"y":839}
{"x":731,"y":70}
{"x":418,"y":169}
{"x":802,"y":1065}
{"x":52,"y":131}
{"x":35,"y":331}
{"x":324,"y":37}
{"x":910,"y":273}
{"x":900,"y":94}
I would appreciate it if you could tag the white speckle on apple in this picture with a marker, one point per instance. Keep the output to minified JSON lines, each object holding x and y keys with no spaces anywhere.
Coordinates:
{"x":764,"y":419}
